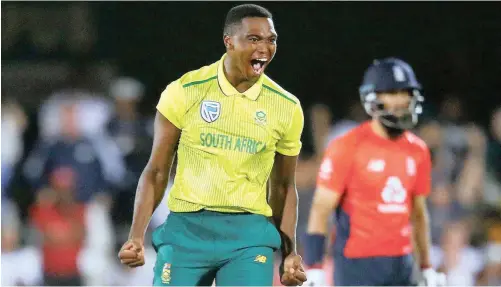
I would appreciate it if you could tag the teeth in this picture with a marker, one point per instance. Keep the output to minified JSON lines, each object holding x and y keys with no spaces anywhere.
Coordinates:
{"x":262,"y":59}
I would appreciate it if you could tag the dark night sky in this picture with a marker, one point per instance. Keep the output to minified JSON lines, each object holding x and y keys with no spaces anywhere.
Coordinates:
{"x":323,"y":47}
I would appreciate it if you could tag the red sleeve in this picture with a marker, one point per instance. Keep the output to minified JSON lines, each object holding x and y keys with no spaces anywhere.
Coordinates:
{"x":423,"y":182}
{"x":335,"y":168}
{"x":38,"y":216}
{"x":82,"y":209}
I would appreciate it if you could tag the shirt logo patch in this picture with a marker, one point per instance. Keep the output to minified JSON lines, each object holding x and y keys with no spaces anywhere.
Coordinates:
{"x":210,"y":111}
{"x":260,"y":259}
{"x":394,"y":195}
{"x":376,"y":165}
{"x":260,"y":117}
{"x":166,"y":274}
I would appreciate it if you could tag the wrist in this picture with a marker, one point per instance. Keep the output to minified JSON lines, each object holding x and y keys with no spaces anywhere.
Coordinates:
{"x":288,"y":245}
{"x":315,"y":249}
{"x":138,"y":239}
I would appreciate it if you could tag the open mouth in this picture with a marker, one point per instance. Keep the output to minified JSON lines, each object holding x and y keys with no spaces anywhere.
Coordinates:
{"x":258,"y":65}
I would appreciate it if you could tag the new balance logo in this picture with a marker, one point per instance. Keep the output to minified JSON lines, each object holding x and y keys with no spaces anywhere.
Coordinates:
{"x":260,"y":259}
{"x":376,"y":165}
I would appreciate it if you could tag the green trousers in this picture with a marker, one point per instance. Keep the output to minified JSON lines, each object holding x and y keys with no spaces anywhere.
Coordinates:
{"x":196,"y":248}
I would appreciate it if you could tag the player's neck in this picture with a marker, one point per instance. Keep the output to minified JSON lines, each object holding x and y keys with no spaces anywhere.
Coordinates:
{"x":235,"y":77}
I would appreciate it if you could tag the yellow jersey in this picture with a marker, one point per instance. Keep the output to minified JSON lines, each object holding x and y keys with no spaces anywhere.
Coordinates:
{"x":228,"y":139}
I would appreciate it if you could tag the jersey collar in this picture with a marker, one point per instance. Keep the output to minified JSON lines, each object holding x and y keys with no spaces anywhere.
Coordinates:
{"x":228,"y":89}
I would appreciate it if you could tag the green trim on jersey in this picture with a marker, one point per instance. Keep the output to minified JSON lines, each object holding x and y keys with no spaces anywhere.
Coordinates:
{"x":199,"y":82}
{"x":280,"y":94}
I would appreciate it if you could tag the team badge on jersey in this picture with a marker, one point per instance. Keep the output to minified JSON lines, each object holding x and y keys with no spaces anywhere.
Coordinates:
{"x":260,"y":117}
{"x":210,"y":111}
{"x":166,"y":274}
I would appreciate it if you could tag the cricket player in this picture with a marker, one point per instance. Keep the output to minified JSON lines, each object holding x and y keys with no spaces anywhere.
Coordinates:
{"x":235,"y":130}
{"x":376,"y":178}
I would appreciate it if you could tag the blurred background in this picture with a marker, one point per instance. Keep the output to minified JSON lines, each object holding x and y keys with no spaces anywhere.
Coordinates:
{"x":80,"y":82}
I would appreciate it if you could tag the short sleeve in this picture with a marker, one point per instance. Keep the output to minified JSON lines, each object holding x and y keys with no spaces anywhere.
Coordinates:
{"x":172,"y":104}
{"x":423,"y":180}
{"x":335,"y":168}
{"x":38,"y":217}
{"x":290,"y":143}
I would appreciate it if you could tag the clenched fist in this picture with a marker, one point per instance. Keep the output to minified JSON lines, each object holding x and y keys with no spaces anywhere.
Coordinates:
{"x":132,"y":253}
{"x":293,"y":272}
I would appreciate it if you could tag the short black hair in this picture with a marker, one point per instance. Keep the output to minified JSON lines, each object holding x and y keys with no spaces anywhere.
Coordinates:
{"x":238,"y":13}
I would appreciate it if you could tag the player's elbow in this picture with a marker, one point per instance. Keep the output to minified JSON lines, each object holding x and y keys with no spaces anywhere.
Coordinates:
{"x":285,"y":187}
{"x":325,"y":200}
{"x":318,"y":220}
{"x":155,"y":175}
{"x":321,"y":208}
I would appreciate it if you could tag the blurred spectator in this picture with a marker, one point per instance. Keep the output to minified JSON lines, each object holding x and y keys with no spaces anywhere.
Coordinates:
{"x":355,"y":116}
{"x":14,"y":123}
{"x":59,"y":221}
{"x":443,"y":209}
{"x":72,"y":149}
{"x":97,"y":253}
{"x":432,"y":133}
{"x":321,"y":124}
{"x":493,"y":180}
{"x":492,"y":275}
{"x":451,"y":118}
{"x":470,"y":184}
{"x":133,"y":135}
{"x":20,"y":265}
{"x":461,"y":262}
{"x":442,"y":204}
{"x":92,"y":110}
{"x":91,"y":114}
{"x":458,"y":152}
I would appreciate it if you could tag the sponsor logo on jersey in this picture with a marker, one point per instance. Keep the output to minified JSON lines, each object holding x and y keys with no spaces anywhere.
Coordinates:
{"x":210,"y":111}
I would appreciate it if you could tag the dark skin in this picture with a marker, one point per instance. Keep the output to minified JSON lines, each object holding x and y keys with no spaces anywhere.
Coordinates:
{"x":254,"y":38}
{"x":284,"y":203}
{"x":151,"y":188}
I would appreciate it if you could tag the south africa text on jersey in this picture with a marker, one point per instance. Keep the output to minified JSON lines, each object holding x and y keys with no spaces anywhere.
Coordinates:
{"x":227,"y":142}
